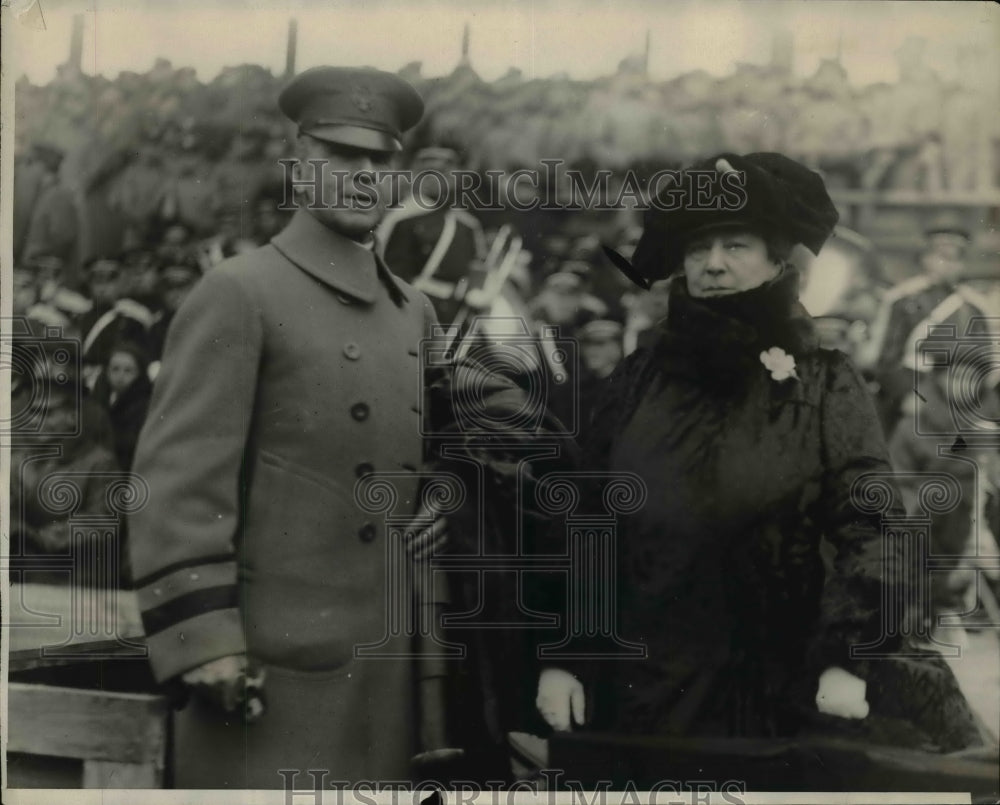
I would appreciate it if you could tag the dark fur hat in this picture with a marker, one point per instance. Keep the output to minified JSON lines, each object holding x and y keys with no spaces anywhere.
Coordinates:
{"x":782,"y":200}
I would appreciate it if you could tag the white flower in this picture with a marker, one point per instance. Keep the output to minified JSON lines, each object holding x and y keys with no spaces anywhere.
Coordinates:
{"x":779,"y":363}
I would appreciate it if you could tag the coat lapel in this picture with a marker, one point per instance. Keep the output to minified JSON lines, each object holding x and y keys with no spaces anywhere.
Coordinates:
{"x":333,"y":259}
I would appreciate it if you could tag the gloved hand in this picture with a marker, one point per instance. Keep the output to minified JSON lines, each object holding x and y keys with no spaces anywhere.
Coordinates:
{"x":841,"y":694}
{"x":561,"y":699}
{"x":232,"y":684}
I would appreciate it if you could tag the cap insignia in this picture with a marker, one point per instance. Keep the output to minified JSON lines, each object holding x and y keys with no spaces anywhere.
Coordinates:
{"x":362,"y":97}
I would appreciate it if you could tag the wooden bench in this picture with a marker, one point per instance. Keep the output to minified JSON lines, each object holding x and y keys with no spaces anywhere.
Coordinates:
{"x":82,"y":736}
{"x":121,"y":738}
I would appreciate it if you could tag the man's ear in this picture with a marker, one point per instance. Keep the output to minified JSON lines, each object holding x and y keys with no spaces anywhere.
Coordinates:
{"x":301,"y":154}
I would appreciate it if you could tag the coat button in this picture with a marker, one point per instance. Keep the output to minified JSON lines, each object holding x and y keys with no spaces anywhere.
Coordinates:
{"x":363,"y":469}
{"x":360,"y":411}
{"x":352,"y":351}
{"x":367,"y":532}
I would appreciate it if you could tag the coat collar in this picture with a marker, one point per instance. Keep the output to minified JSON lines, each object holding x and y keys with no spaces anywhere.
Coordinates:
{"x":334,"y":260}
{"x":717,"y":342}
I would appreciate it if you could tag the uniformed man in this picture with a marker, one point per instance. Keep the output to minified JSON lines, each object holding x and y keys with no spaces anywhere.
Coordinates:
{"x":429,"y":242}
{"x":288,"y":373}
{"x":909,"y":308}
{"x":112,"y":317}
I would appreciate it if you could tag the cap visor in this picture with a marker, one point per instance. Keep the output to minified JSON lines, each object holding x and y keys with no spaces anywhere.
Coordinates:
{"x":356,"y":137}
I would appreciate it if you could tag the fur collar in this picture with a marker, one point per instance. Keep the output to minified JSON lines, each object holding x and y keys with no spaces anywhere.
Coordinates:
{"x":718,"y":341}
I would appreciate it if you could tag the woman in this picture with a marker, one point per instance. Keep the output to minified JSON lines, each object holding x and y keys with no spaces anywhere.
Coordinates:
{"x":123,"y":389}
{"x":748,"y":574}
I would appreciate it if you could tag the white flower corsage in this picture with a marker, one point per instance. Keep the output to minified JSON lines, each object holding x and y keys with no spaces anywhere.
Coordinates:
{"x":779,"y":363}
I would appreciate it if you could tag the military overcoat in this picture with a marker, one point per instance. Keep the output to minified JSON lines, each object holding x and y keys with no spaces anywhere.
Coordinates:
{"x":288,"y":373}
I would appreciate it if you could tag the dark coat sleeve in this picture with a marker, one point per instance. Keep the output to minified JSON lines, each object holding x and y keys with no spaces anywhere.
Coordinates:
{"x":190,"y":454}
{"x":864,"y":574}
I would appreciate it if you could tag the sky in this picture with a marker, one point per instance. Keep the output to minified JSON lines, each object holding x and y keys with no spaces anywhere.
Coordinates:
{"x":584,"y":38}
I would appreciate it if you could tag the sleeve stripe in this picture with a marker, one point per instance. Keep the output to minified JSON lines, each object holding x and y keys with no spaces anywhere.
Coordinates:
{"x":189,"y":580}
{"x":156,"y":575}
{"x":188,"y":606}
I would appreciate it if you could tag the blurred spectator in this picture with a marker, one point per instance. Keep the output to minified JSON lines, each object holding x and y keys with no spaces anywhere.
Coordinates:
{"x":124,"y":389}
{"x":139,"y":278}
{"x":178,"y":274}
{"x":29,"y":177}
{"x":52,"y":292}
{"x":560,"y":307}
{"x":68,"y":447}
{"x":232,"y":237}
{"x":915,"y":452}
{"x":113,"y":317}
{"x":26,"y":299}
{"x":598,"y":297}
{"x":601,"y":350}
{"x":176,"y":235}
{"x":54,"y":227}
{"x":600,"y":347}
{"x":268,"y":219}
{"x":563,"y":299}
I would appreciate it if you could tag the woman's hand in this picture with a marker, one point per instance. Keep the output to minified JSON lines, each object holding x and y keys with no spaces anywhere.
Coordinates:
{"x":841,"y":694}
{"x":560,"y":699}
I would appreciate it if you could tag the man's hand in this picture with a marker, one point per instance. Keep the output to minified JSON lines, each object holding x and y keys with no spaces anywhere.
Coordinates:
{"x":427,"y":532}
{"x":560,"y":696}
{"x":230,"y":684}
{"x":841,"y":694}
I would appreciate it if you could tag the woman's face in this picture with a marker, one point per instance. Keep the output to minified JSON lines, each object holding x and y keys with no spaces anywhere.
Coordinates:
{"x":723,"y":263}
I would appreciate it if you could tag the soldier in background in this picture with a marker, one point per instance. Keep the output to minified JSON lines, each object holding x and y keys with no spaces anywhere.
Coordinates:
{"x":427,"y":241}
{"x":54,"y":228}
{"x":113,"y":316}
{"x":913,"y":305}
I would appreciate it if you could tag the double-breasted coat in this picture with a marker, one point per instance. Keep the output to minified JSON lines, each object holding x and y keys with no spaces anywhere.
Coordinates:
{"x":288,"y":373}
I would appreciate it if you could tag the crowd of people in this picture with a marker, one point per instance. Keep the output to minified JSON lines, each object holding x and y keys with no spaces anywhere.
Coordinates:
{"x":120,"y":307}
{"x":114,"y":310}
{"x":192,"y":352}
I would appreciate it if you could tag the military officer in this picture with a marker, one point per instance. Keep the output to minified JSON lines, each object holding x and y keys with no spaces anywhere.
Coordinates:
{"x":428,"y":241}
{"x":289,"y":372}
{"x":909,"y":308}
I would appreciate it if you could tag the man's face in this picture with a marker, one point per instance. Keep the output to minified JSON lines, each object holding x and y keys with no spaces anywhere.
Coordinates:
{"x":176,"y":235}
{"x":949,"y":245}
{"x":140,"y":275}
{"x":432,"y":188}
{"x":176,"y":283}
{"x":105,"y":282}
{"x":939,"y":267}
{"x":268,"y":220}
{"x":561,"y":304}
{"x":601,"y":356}
{"x":349,"y":207}
{"x":49,"y":270}
{"x":230,"y":225}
